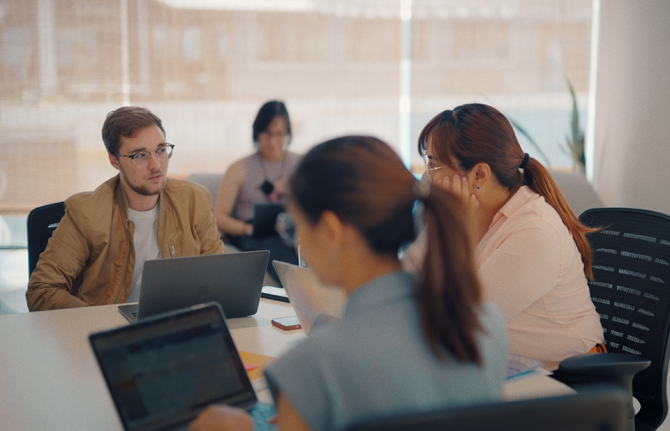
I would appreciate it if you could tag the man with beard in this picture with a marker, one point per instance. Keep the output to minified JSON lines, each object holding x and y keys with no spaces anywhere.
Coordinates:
{"x":96,"y":254}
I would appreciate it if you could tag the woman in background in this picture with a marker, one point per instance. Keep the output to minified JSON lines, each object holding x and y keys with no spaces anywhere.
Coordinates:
{"x":259,"y":178}
{"x":532,"y":256}
{"x":405,"y":343}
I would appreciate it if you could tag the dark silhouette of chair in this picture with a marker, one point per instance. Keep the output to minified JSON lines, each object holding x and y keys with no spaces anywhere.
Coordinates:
{"x":42,"y":221}
{"x":594,"y":410}
{"x":631,"y":292}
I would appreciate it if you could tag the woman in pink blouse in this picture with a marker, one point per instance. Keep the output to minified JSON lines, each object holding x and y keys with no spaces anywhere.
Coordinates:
{"x":531,"y":254}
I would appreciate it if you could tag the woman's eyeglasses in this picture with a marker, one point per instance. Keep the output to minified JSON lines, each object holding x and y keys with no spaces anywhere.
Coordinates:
{"x":430,"y":165}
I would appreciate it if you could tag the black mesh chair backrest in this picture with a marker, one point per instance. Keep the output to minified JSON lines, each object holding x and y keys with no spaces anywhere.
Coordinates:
{"x":597,"y":409}
{"x":631,"y":292}
{"x":42,"y":221}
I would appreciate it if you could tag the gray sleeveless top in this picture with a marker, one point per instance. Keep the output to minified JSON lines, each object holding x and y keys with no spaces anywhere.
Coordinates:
{"x":256,"y":171}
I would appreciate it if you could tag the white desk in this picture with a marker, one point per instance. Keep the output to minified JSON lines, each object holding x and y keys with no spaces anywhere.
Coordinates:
{"x":50,"y":380}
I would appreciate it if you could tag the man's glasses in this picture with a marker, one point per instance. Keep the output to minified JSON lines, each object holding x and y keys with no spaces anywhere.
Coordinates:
{"x":142,"y":159}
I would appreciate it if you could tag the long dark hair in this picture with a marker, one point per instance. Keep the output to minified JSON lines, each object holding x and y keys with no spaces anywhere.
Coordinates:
{"x":477,"y":133}
{"x":363,"y":181}
{"x":267,"y":113}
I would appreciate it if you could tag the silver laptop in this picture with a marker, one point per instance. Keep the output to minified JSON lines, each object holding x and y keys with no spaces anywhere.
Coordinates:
{"x":233,"y":280}
{"x":312,"y":301}
{"x":163,"y":371}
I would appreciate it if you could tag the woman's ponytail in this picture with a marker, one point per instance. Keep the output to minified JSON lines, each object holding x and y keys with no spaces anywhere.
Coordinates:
{"x":448,"y":290}
{"x":539,"y":179}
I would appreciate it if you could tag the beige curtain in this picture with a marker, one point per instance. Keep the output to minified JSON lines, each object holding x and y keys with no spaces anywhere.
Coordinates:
{"x":206,"y":66}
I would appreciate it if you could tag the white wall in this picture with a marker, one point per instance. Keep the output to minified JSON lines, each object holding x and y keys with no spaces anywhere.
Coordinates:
{"x":632,"y":123}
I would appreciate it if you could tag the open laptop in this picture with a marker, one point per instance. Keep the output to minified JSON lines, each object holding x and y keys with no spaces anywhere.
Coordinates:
{"x":265,"y":217}
{"x":311,"y":300}
{"x":233,"y":280}
{"x":163,"y":371}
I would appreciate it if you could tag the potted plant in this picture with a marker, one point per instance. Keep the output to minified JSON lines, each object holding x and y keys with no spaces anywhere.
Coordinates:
{"x":574,"y":142}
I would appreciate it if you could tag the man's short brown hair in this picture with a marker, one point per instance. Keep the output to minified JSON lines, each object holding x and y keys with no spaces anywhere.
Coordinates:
{"x":125,"y":121}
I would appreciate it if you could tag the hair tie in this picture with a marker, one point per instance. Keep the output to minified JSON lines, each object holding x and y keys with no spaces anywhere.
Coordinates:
{"x":523,"y":164}
{"x":421,"y":190}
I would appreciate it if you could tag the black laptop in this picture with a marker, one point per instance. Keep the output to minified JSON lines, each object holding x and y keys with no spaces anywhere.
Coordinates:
{"x":233,"y":280}
{"x":265,"y":217}
{"x":163,"y":371}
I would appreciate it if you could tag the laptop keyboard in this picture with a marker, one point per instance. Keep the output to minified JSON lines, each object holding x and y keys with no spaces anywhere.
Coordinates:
{"x":261,"y":414}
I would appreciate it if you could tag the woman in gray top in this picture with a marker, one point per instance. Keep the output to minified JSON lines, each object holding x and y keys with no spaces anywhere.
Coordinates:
{"x":404,"y":344}
{"x":259,"y":178}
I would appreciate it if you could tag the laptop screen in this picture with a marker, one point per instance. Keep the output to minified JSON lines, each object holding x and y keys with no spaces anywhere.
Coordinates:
{"x":163,"y":371}
{"x":265,"y":217}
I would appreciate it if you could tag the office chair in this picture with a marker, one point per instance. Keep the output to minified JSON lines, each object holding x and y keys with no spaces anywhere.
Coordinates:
{"x":601,"y":409}
{"x":631,"y":292}
{"x":577,"y":190}
{"x":210,"y":181}
{"x":42,"y":221}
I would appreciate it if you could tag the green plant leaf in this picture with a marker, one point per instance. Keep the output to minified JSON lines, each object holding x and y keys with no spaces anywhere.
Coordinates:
{"x":575,"y":142}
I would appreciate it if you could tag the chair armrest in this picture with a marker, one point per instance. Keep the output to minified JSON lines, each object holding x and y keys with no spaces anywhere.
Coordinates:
{"x":611,"y":365}
{"x":615,"y":368}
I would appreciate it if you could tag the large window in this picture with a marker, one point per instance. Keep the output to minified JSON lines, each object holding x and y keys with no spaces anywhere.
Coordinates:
{"x":206,"y":66}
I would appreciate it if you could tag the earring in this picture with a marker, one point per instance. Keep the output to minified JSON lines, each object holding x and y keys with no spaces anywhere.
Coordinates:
{"x":479,"y":188}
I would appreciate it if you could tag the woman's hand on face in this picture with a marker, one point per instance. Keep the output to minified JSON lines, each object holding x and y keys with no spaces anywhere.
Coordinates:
{"x":458,"y":185}
{"x":220,"y":417}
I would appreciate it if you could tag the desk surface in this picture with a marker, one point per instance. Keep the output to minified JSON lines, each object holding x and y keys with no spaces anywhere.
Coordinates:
{"x":50,"y":380}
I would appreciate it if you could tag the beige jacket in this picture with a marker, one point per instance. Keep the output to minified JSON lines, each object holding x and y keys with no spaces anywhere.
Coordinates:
{"x":90,"y":258}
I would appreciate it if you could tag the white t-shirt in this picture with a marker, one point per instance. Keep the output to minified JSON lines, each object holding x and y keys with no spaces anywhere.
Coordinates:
{"x":145,"y":241}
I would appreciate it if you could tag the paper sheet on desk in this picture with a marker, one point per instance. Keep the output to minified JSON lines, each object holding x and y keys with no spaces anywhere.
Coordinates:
{"x":310,"y":299}
{"x":523,"y":366}
{"x":259,"y":362}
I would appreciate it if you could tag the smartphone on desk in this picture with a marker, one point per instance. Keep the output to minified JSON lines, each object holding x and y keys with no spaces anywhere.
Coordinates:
{"x":287,"y":323}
